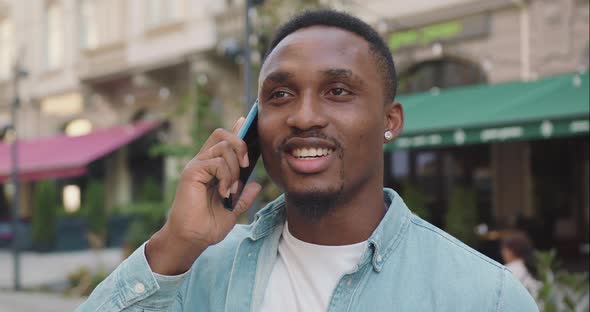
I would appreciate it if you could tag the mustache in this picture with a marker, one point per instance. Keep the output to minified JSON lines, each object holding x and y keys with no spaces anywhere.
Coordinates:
{"x":312,"y":133}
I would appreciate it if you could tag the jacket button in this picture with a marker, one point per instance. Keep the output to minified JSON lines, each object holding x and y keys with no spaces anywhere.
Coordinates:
{"x":139,"y":288}
{"x":379,"y":258}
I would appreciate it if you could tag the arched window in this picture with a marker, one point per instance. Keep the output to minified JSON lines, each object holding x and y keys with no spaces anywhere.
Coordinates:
{"x":442,"y":73}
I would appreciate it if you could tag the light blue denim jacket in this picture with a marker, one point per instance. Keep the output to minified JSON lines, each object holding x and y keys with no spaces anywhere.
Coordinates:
{"x":409,"y":265}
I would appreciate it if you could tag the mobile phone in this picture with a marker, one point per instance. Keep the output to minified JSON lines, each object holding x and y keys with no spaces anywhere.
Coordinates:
{"x":248,"y":133}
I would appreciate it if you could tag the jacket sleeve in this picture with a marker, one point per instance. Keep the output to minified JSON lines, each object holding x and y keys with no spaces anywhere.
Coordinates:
{"x":513,"y":296}
{"x":134,"y":287}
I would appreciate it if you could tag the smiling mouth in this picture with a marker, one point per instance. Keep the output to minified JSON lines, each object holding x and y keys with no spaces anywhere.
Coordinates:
{"x":310,"y":153}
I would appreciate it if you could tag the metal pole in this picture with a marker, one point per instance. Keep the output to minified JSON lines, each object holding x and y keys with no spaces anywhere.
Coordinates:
{"x":15,"y":180}
{"x":248,"y":77}
{"x":247,"y":61}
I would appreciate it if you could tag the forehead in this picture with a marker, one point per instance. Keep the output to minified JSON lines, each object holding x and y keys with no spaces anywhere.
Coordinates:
{"x":323,"y":46}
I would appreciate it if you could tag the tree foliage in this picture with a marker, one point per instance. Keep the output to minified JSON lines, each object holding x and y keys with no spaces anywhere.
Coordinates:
{"x":415,"y":199}
{"x":204,"y":121}
{"x":560,"y":290}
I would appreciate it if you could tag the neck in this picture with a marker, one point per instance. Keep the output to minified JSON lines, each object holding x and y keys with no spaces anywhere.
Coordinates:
{"x":352,"y":219}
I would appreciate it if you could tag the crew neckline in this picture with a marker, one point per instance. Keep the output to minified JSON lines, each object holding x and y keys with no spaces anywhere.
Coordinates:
{"x":303,"y":244}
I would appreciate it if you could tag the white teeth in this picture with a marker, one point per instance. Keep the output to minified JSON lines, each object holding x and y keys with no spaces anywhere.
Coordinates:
{"x":311,"y":152}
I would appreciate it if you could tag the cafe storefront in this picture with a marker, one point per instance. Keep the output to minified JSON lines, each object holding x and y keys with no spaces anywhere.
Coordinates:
{"x":521,"y":147}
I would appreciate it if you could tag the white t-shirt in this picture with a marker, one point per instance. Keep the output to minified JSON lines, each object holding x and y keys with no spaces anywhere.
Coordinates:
{"x":305,"y":275}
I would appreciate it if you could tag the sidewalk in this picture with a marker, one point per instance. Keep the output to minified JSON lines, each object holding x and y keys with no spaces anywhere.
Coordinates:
{"x":33,"y":302}
{"x":47,"y":269}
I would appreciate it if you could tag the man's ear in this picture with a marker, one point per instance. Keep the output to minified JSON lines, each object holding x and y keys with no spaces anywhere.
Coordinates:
{"x":394,"y":120}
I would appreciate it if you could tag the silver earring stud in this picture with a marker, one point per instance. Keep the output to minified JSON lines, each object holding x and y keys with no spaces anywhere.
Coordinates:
{"x":388,"y":135}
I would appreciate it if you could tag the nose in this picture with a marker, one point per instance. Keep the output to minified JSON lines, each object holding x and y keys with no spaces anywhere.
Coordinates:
{"x":307,"y":113}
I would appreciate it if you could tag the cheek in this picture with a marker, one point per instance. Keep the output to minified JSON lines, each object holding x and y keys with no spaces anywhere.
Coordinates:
{"x":265,"y":125}
{"x":269,"y":132}
{"x":363,"y":137}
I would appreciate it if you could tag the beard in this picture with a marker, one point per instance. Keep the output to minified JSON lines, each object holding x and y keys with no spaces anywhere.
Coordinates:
{"x":315,"y":203}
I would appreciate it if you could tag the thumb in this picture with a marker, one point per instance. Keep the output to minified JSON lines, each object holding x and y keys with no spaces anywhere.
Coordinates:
{"x":247,"y":197}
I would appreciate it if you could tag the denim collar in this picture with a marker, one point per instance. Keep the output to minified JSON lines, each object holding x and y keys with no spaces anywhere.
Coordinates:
{"x":381,"y":244}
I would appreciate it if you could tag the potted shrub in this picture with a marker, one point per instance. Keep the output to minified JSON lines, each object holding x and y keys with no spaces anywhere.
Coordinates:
{"x":43,"y":225}
{"x":96,"y":215}
{"x":462,"y":217}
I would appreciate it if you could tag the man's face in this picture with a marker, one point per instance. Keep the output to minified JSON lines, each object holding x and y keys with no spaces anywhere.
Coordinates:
{"x":321,"y":113}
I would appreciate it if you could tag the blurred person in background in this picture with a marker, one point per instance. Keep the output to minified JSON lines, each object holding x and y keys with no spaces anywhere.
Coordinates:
{"x":518,"y":255}
{"x":336,"y":240}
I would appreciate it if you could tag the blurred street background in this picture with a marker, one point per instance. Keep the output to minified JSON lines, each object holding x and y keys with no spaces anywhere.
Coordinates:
{"x":102,"y":102}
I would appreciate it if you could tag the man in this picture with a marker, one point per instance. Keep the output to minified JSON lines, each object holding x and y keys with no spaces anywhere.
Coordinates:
{"x":336,"y":240}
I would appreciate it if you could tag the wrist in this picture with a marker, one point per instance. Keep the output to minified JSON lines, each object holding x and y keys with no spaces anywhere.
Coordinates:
{"x":168,"y":255}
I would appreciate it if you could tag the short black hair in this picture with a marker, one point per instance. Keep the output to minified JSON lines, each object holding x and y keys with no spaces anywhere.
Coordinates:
{"x":349,"y":23}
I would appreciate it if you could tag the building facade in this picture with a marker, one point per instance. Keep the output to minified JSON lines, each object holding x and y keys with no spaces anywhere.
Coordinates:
{"x":95,"y":64}
{"x":538,"y":185}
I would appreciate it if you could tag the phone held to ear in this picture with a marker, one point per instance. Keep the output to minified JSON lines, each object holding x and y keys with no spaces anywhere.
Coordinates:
{"x":248,"y":133}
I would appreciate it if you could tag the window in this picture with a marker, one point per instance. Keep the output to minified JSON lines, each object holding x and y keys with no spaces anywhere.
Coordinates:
{"x":161,"y":12}
{"x":88,"y":33}
{"x":54,"y":36}
{"x":78,"y":127}
{"x":71,"y":198}
{"x":101,"y":22}
{"x":6,"y":48}
{"x":444,"y":73}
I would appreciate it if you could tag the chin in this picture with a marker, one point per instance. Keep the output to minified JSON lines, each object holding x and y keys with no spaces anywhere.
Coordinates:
{"x":313,"y":201}
{"x":313,"y":185}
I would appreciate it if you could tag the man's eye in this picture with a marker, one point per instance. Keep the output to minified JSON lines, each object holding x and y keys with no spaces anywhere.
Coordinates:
{"x":279,"y":94}
{"x":338,"y":92}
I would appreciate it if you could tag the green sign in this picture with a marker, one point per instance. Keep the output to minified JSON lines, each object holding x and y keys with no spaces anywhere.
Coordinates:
{"x":539,"y":130}
{"x":440,"y":32}
{"x":425,"y":35}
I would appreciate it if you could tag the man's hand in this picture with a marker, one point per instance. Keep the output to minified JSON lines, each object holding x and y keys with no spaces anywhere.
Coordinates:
{"x":197,"y":218}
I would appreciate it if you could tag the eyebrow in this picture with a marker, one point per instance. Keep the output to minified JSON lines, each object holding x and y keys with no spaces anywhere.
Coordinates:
{"x":279,"y":77}
{"x":341,"y":74}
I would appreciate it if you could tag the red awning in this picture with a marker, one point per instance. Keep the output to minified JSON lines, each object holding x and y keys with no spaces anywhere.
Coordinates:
{"x":62,"y":156}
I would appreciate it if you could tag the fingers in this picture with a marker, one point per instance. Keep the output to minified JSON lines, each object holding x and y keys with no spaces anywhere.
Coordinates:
{"x":224,"y":149}
{"x":221,"y":157}
{"x":218,"y":168}
{"x":247,"y":197}
{"x":237,"y":144}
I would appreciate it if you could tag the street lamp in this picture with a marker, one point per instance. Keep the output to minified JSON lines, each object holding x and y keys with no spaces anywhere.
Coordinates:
{"x":18,"y":74}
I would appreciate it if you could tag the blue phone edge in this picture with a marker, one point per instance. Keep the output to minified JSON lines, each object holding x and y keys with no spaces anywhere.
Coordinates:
{"x":227,"y":202}
{"x":249,"y":119}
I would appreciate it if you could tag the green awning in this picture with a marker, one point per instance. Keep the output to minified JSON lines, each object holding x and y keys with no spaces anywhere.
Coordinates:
{"x":546,"y":108}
